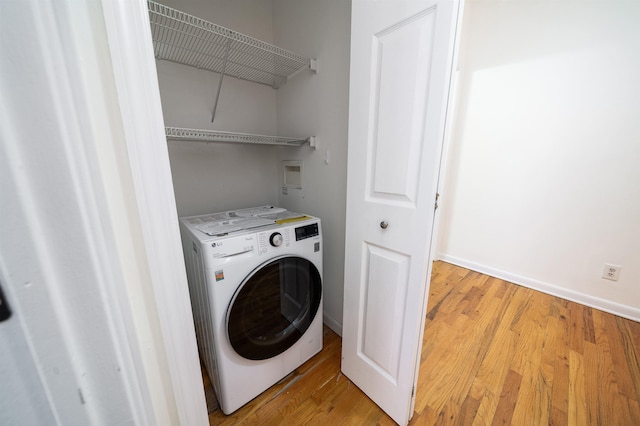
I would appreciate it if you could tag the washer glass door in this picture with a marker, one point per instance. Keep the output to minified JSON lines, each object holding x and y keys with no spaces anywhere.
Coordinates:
{"x":274,"y":307}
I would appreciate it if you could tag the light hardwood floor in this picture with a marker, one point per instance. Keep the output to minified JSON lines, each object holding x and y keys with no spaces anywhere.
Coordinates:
{"x":493,"y":353}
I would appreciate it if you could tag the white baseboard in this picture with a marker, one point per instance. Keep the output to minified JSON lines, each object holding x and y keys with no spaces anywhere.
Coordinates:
{"x":332,"y":324}
{"x":624,"y":311}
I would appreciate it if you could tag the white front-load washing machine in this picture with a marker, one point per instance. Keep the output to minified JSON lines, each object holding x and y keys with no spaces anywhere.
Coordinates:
{"x":255,"y":280}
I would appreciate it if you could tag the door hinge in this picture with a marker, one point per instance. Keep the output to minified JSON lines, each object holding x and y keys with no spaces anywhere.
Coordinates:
{"x":413,"y":391}
{"x":437,"y":196}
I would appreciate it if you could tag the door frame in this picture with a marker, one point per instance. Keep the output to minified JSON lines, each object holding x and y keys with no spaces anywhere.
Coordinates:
{"x":134,"y":69}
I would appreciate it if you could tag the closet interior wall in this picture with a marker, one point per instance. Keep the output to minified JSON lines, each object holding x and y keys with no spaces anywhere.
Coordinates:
{"x":211,"y":177}
{"x":319,"y":105}
{"x":218,"y":176}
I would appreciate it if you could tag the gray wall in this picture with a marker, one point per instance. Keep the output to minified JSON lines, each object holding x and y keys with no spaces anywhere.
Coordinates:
{"x":214,"y":177}
{"x":319,"y":105}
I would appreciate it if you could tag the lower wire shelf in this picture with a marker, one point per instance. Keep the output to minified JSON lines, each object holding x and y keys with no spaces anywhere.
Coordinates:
{"x":197,"y":135}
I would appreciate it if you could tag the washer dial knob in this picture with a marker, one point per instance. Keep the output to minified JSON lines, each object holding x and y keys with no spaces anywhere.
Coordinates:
{"x":275,"y":239}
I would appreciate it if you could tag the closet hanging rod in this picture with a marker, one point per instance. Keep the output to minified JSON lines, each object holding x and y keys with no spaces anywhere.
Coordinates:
{"x":186,"y":39}
{"x":199,"y":135}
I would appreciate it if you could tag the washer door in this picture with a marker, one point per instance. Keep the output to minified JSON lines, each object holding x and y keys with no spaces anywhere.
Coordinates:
{"x":273,"y":307}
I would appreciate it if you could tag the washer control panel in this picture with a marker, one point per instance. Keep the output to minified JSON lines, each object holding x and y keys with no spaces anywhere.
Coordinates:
{"x":308,"y":231}
{"x":273,"y":240}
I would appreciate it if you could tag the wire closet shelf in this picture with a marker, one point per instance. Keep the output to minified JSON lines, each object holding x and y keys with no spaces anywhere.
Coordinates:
{"x":186,"y":39}
{"x":196,"y":135}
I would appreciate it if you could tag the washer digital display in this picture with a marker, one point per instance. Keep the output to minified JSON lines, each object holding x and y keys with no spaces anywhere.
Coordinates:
{"x":307,"y":231}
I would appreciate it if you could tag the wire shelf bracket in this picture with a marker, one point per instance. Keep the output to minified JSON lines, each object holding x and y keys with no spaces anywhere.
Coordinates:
{"x":189,"y":40}
{"x":224,"y":68}
{"x":198,"y":135}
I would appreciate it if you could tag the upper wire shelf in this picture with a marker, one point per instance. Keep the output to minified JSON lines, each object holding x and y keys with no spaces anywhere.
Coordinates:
{"x":186,"y":39}
{"x":177,"y":133}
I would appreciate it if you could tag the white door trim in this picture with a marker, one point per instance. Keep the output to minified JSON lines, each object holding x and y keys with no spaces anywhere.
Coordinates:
{"x":134,"y":69}
{"x":67,"y":261}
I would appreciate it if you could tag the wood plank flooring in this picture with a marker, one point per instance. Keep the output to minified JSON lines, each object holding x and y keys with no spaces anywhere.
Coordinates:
{"x":493,"y":353}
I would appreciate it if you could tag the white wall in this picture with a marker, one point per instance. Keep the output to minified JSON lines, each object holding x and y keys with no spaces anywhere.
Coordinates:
{"x":319,"y":105}
{"x":216,"y":176}
{"x":543,"y":176}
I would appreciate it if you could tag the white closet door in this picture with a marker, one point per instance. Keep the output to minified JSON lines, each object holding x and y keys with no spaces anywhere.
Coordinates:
{"x":401,"y":57}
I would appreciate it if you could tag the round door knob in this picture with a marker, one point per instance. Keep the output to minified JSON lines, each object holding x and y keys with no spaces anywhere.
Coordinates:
{"x":276,"y":239}
{"x":384,"y":224}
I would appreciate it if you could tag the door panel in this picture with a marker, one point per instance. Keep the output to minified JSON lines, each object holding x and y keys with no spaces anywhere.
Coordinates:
{"x":384,"y":297}
{"x":401,"y":52}
{"x":401,"y":58}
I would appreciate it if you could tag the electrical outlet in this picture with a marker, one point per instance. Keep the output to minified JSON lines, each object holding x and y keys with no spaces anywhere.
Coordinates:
{"x":611,"y":272}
